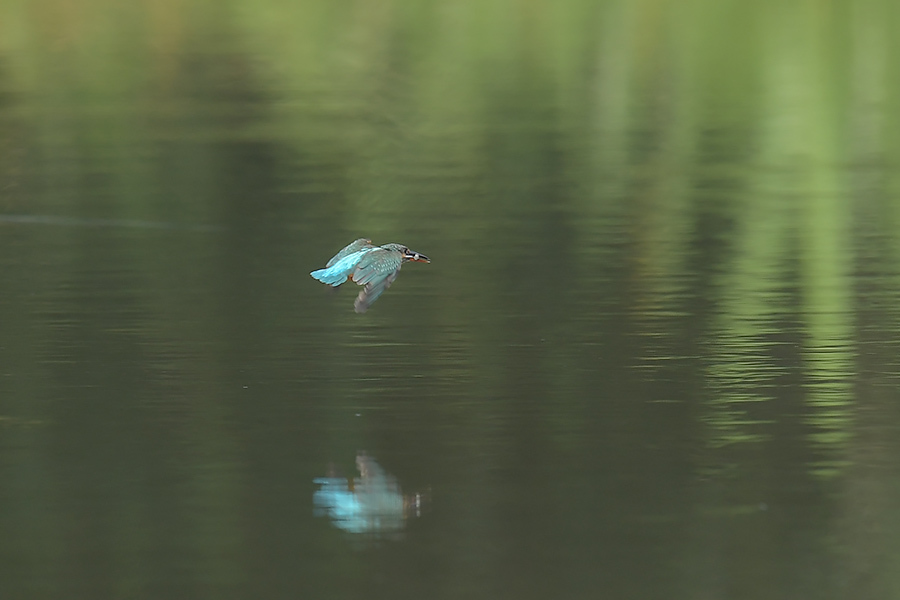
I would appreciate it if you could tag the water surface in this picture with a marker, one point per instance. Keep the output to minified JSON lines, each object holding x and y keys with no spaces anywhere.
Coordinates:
{"x":654,"y":356}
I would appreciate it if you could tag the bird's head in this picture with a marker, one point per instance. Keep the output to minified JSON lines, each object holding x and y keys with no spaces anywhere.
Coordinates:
{"x":414,"y":256}
{"x":407,"y":254}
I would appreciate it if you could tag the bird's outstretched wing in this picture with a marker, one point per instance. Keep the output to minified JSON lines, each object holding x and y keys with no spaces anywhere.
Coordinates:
{"x":376,"y":271}
{"x":337,"y":273}
{"x":349,"y":249}
{"x":371,"y":291}
{"x":343,"y":263}
{"x":377,"y":264}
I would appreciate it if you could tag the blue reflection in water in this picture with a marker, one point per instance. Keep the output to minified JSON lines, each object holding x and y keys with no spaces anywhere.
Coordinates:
{"x":370,"y":503}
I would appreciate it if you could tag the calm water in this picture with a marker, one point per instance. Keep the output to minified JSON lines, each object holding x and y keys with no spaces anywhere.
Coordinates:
{"x":655,"y":354}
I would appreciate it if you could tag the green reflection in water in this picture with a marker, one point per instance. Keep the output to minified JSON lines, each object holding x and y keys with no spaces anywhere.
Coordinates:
{"x":826,"y":250}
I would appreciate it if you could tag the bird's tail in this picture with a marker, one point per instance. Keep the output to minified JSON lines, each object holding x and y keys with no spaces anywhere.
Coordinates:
{"x":331,"y":276}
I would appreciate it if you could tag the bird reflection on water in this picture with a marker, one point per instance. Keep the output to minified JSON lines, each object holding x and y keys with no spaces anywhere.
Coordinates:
{"x":371,"y":503}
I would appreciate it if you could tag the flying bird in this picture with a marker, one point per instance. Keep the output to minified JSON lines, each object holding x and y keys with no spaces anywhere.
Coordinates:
{"x":373,"y":267}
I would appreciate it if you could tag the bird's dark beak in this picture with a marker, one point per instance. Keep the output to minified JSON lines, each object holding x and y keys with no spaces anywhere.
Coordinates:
{"x":416,"y":257}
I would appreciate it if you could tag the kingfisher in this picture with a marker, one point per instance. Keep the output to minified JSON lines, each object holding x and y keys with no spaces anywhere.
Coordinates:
{"x":373,"y":267}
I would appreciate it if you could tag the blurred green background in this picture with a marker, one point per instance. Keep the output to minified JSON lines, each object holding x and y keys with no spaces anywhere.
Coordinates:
{"x":655,"y":355}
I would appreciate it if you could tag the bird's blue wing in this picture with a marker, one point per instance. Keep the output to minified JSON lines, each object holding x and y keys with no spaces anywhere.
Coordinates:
{"x":377,"y":264}
{"x":337,"y":272}
{"x":351,"y":248}
{"x":371,"y":291}
{"x":376,"y":271}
